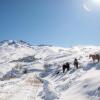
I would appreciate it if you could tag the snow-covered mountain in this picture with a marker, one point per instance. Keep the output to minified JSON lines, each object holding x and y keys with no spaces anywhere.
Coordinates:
{"x":30,"y":72}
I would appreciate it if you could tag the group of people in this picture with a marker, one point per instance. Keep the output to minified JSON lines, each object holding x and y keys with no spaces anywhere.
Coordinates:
{"x":67,"y":65}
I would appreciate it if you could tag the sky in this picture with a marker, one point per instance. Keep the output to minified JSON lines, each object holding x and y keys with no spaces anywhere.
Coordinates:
{"x":55,"y":22}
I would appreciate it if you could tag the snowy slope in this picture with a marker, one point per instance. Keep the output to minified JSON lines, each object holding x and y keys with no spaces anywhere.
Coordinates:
{"x":30,"y":72}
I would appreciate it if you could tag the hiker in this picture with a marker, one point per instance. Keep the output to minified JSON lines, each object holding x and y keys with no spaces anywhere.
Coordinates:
{"x":66,"y":66}
{"x":76,"y":63}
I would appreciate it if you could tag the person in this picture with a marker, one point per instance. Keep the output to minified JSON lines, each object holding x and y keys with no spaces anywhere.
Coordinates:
{"x":76,"y":63}
{"x":66,"y":66}
{"x":63,"y":68}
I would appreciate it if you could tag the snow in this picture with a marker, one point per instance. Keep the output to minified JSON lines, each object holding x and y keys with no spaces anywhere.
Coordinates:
{"x":34,"y":72}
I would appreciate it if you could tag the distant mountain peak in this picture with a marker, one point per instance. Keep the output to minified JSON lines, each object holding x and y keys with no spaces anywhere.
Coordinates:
{"x":14,"y":43}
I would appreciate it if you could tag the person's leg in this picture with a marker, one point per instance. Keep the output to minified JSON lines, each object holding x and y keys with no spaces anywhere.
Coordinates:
{"x":63,"y":70}
{"x":68,"y":68}
{"x":77,"y":66}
